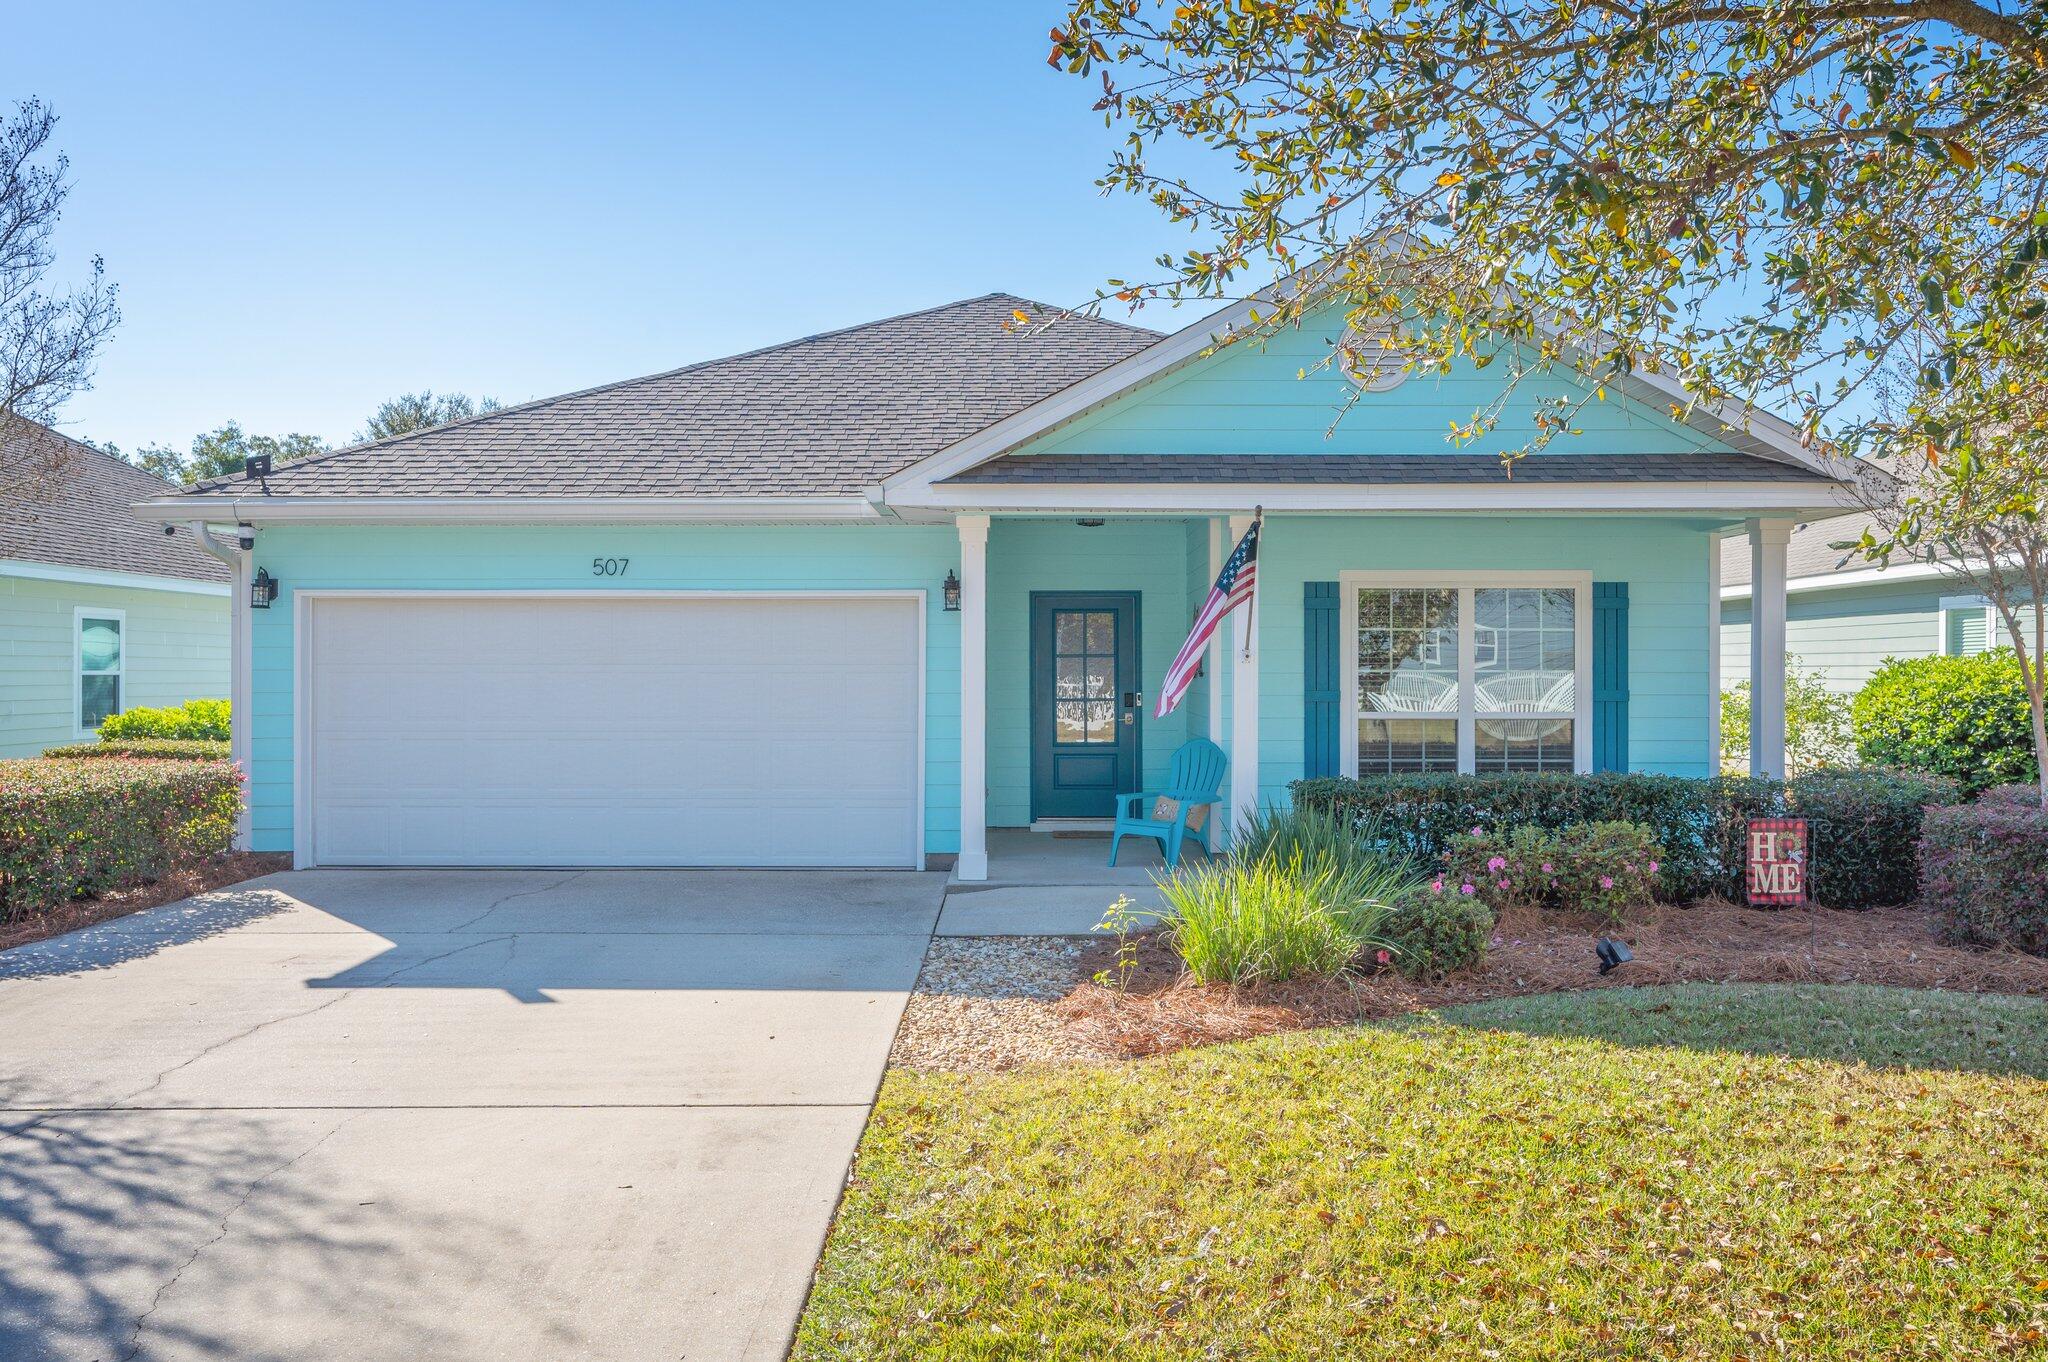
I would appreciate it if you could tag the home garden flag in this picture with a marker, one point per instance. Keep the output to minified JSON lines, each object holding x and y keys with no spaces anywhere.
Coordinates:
{"x":1235,"y":586}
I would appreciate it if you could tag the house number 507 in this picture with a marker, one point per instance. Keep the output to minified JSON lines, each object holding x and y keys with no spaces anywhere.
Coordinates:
{"x":608,"y":567}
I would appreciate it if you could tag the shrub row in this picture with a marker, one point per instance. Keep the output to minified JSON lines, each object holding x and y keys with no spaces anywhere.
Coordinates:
{"x":1865,"y":824}
{"x":195,"y":719}
{"x":1962,"y":717}
{"x":161,"y":749}
{"x":69,"y":829}
{"x":1600,"y":868}
{"x":1984,"y":868}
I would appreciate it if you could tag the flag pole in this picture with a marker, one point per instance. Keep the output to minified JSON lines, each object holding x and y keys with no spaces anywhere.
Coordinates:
{"x":1252,"y":602}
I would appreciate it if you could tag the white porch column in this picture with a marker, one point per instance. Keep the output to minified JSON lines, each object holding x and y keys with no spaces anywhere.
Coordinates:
{"x":1714,"y":685}
{"x":973,"y":697}
{"x":1213,"y":668}
{"x":1244,"y":699}
{"x":1767,"y":540}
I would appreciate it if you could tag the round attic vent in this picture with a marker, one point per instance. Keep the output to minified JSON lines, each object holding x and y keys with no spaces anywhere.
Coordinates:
{"x":1368,"y":360}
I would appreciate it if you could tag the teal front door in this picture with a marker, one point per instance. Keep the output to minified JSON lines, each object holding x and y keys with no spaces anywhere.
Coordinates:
{"x":1085,"y":705}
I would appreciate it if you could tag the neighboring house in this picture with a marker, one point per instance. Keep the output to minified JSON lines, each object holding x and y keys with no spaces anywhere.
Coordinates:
{"x":854,"y":599}
{"x":99,"y":612}
{"x":1844,"y":617}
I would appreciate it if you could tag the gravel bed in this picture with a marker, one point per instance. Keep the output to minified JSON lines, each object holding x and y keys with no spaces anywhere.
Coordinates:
{"x":985,"y":1004}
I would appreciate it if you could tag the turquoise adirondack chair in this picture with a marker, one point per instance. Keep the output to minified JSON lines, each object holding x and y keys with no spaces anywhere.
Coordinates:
{"x":1195,"y":778}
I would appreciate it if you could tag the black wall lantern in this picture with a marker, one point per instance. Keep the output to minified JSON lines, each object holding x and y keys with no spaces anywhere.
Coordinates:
{"x":262,"y":590}
{"x":952,"y":590}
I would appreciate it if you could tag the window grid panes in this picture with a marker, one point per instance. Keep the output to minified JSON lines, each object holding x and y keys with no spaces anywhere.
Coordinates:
{"x":1084,"y":676}
{"x":99,"y":669}
{"x":1494,"y":666}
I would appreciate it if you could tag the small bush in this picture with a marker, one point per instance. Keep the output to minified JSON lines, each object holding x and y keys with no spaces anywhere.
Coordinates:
{"x":1984,"y":869}
{"x":70,"y":829}
{"x":1437,"y":931}
{"x":2025,"y":796}
{"x":1962,"y":717}
{"x":1865,"y":828}
{"x":1817,"y":727}
{"x":1601,"y":868}
{"x":195,"y":719}
{"x":160,"y":749}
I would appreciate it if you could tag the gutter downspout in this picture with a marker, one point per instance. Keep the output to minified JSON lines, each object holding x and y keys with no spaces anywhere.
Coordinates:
{"x":239,"y":655}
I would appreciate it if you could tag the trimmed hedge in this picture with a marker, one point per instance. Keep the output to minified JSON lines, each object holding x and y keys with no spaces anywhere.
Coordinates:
{"x":195,"y":719}
{"x":71,"y":829}
{"x":1865,"y":824}
{"x":162,"y":749}
{"x":1984,"y":869}
{"x":1699,"y":823}
{"x":1962,"y":717}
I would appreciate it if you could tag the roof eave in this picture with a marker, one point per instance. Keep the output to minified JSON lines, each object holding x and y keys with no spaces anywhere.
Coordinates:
{"x":1713,"y":500}
{"x":259,"y":509}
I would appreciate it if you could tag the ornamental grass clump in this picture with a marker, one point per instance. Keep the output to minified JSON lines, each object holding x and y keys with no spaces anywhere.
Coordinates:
{"x":1304,"y":895}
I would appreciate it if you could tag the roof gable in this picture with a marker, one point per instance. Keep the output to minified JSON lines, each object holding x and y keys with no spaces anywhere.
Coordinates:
{"x":87,"y":519}
{"x":1277,"y":395}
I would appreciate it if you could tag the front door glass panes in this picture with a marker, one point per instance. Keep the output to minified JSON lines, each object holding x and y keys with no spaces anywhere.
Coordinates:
{"x":1084,"y":677}
{"x":99,"y":670}
{"x":1407,"y":680}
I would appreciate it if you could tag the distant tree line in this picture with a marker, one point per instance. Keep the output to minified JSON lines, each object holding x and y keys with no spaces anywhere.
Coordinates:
{"x":221,"y":452}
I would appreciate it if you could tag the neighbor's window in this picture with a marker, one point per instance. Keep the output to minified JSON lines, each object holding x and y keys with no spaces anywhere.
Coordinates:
{"x":99,"y":667}
{"x":1467,"y":678}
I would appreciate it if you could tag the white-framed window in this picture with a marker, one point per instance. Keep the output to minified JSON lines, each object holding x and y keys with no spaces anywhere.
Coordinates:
{"x":101,"y":655}
{"x":1468,"y":671}
{"x":1966,"y":625}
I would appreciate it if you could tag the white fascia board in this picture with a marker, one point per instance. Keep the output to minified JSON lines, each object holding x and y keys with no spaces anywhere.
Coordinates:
{"x":141,"y":581}
{"x":1825,"y":581}
{"x":259,"y":510}
{"x":1731,"y":500}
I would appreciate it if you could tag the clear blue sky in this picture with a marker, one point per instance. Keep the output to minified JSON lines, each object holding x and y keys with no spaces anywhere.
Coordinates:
{"x":309,"y":210}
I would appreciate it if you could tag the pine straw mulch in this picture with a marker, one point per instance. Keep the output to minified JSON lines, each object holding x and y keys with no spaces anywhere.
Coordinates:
{"x":1158,"y":1009}
{"x":198,"y":877}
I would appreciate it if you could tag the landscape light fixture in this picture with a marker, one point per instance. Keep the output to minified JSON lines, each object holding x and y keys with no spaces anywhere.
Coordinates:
{"x":952,"y":590}
{"x":262,"y":590}
{"x":1613,"y":954}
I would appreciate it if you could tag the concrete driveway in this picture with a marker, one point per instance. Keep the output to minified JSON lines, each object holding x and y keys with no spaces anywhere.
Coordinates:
{"x":443,"y":1114}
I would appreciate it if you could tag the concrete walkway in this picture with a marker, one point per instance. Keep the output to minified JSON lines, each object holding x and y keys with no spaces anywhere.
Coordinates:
{"x":443,"y":1115}
{"x":1054,"y":884}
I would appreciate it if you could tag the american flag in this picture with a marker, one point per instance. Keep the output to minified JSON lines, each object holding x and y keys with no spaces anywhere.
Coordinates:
{"x":1234,"y":587}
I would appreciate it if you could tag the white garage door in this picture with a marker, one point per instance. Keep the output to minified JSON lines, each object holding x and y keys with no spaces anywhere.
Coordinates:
{"x":733,"y":731}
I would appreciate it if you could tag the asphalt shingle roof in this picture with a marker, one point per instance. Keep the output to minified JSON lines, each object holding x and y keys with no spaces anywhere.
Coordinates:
{"x":828,"y":414}
{"x":1353,"y":469}
{"x":85,"y":520}
{"x":1807,"y":553}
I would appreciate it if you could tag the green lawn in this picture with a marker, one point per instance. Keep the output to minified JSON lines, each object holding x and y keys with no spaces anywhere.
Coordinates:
{"x":1688,"y":1172}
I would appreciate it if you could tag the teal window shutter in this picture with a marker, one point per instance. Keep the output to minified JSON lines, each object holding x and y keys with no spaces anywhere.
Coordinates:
{"x":1610,"y":676}
{"x":1319,"y":668}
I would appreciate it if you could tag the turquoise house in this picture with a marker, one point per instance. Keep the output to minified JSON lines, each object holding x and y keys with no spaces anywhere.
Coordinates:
{"x":99,"y":611}
{"x":857,"y":599}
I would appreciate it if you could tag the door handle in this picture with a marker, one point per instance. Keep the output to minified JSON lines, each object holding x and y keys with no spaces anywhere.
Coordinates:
{"x":1132,"y":699}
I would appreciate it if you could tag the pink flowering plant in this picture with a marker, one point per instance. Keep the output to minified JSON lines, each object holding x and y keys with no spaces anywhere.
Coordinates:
{"x":1605,"y":869}
{"x":70,"y":829}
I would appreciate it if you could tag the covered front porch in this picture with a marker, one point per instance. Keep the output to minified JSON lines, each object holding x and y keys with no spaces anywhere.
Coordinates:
{"x":1067,"y":623}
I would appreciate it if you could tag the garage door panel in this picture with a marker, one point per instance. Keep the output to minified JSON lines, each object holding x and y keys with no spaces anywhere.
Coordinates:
{"x":614,"y":732}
